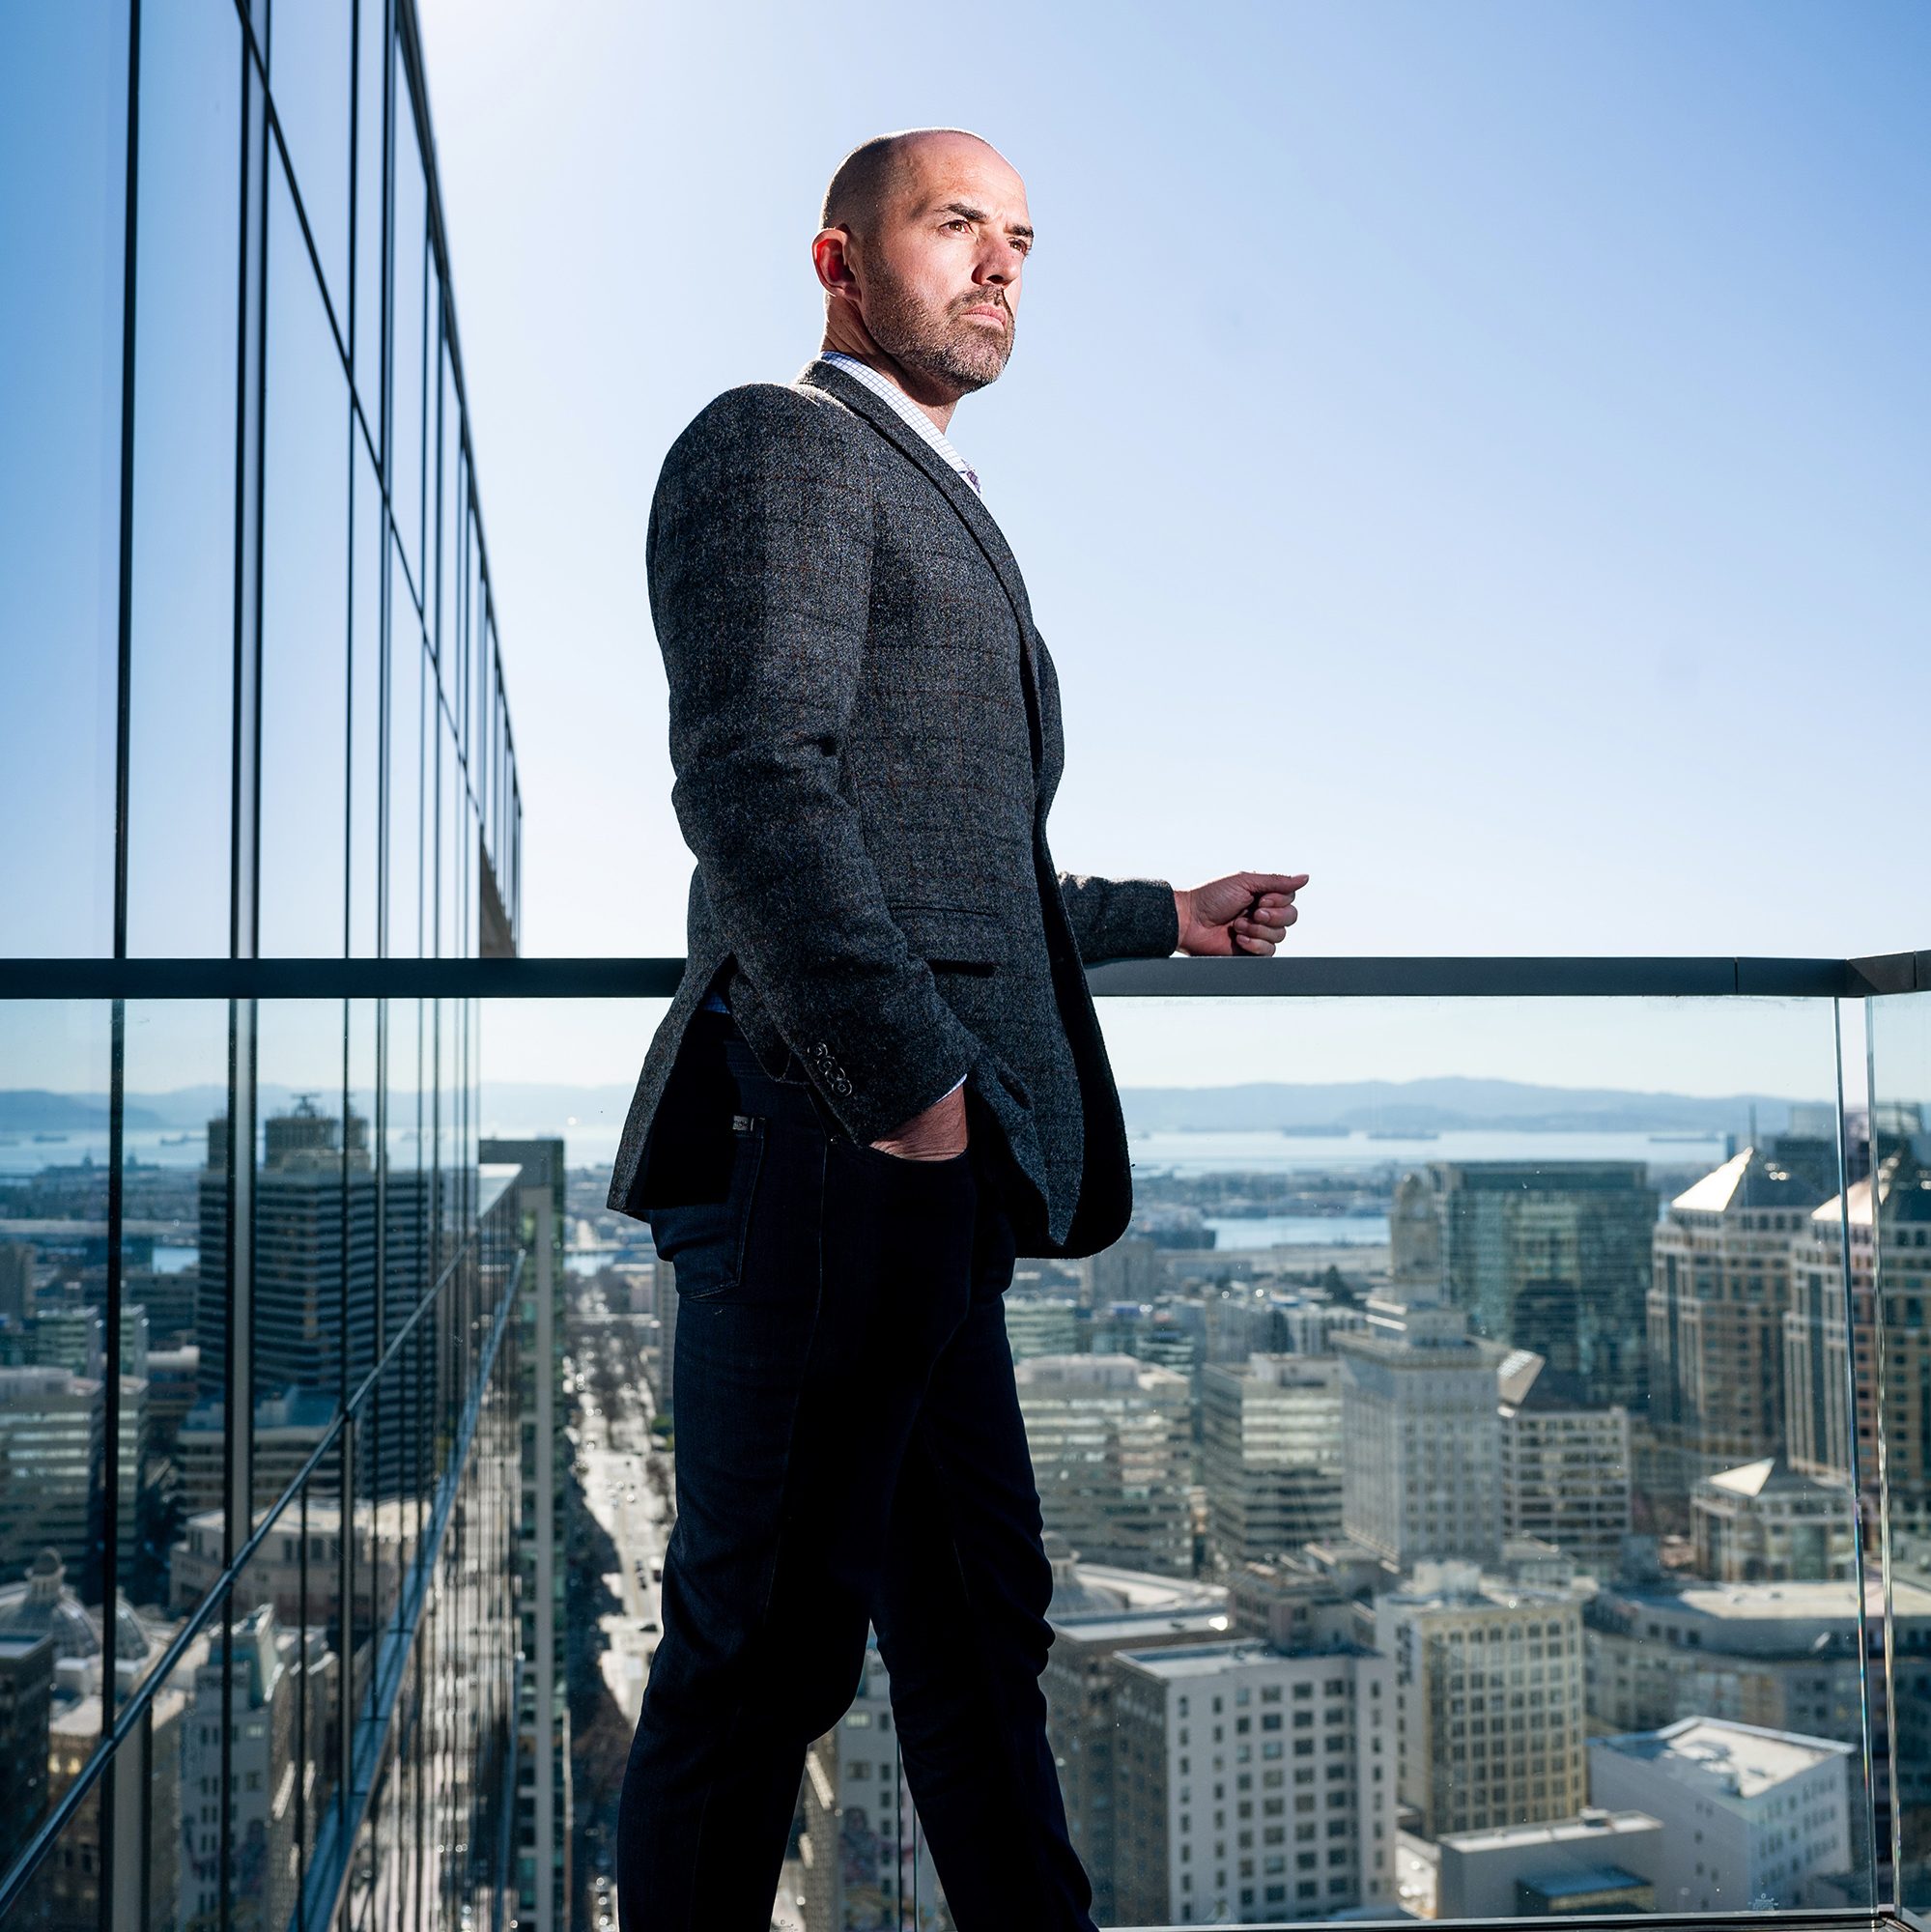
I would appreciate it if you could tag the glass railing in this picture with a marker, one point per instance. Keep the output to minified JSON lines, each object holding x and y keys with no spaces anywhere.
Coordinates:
{"x":1489,"y":1479}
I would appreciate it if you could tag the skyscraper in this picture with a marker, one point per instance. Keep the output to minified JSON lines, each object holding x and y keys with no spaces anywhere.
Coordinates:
{"x":1552,"y":1256}
{"x":1720,"y":1285}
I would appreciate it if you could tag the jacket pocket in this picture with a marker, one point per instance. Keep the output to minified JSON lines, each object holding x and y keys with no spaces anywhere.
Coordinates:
{"x":952,"y":935}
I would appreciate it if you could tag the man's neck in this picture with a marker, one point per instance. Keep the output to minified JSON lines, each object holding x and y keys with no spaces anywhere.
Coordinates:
{"x":937,"y":404}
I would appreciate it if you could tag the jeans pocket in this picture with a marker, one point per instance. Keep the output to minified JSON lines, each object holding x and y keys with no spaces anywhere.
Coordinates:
{"x":703,"y":1240}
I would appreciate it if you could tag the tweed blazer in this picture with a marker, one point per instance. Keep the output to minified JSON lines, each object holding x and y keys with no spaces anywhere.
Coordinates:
{"x":866,"y":734}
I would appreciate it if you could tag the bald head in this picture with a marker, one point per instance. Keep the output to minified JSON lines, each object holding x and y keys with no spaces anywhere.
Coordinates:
{"x":924,"y":236}
{"x":877,"y":171}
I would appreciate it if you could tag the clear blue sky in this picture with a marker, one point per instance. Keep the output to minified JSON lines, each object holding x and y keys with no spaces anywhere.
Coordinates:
{"x":1477,"y":454}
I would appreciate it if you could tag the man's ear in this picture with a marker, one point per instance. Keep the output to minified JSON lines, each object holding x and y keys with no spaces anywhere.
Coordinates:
{"x":831,"y":258}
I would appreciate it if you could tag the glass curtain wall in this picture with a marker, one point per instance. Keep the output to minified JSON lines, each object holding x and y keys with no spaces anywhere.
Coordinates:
{"x":259,"y":1445}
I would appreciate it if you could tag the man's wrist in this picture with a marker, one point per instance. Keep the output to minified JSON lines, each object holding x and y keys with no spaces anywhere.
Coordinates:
{"x":1184,"y":914}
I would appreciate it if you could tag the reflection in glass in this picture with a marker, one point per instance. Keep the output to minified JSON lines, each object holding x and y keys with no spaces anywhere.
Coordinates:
{"x":1898,"y":1201}
{"x":304,"y":613}
{"x":63,"y":172}
{"x":410,"y":878}
{"x":367,"y":520}
{"x":409,"y":339}
{"x":371,"y":64}
{"x":181,"y":704}
{"x":309,"y":78}
{"x":174,"y":1186}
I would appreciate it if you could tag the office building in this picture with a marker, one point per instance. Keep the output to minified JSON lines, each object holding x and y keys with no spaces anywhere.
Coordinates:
{"x":50,"y":1468}
{"x":26,"y":1695}
{"x":1041,"y":1325}
{"x":1753,"y":1815}
{"x":1252,"y":1785}
{"x":1565,"y":1466}
{"x":1766,"y":1523}
{"x":1720,"y":1288}
{"x":1552,"y":1256}
{"x":16,"y":1284}
{"x":1108,"y":1439}
{"x":1780,"y":1656}
{"x":1129,"y":1270}
{"x":866,"y":1863}
{"x":1819,"y":1335}
{"x":1421,"y":1469}
{"x":1080,"y":1726}
{"x":264,"y":1682}
{"x":1272,"y":1454}
{"x":1490,"y":1700}
{"x":544,"y":1789}
{"x":1597,"y":1863}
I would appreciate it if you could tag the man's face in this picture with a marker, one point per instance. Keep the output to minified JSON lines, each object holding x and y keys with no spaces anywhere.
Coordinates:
{"x":938,"y":271}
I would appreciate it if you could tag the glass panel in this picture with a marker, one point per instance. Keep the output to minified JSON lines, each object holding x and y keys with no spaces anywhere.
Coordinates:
{"x":309,"y":77}
{"x":304,"y":597}
{"x":365,"y":710}
{"x":311,"y":1314}
{"x":54,"y":1168}
{"x":1894,"y":1309}
{"x":174,"y":1203}
{"x":372,"y":65}
{"x":64,"y":1895}
{"x":63,"y":174}
{"x":410,"y":785}
{"x":449,"y":499}
{"x":411,"y":336}
{"x":181,"y":705}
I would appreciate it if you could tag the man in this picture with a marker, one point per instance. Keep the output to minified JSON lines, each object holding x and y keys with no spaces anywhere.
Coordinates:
{"x":880,"y":1080}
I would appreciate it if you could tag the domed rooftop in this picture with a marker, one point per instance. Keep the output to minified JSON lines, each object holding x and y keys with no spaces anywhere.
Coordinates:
{"x":45,"y":1605}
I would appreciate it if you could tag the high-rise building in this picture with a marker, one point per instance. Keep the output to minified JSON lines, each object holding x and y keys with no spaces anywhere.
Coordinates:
{"x":1252,"y":1785}
{"x":1108,"y":1437}
{"x":1565,"y":1466}
{"x":1821,"y":1331}
{"x":1272,"y":1454}
{"x":1552,"y":1256}
{"x":543,"y":1792}
{"x":1420,"y":1433}
{"x":16,"y":1284}
{"x":1719,"y":1286}
{"x":1490,"y":1700}
{"x":1753,"y":1815}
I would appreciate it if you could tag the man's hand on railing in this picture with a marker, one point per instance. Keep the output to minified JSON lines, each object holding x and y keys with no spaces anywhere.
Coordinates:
{"x":939,"y":1134}
{"x":1244,"y":913}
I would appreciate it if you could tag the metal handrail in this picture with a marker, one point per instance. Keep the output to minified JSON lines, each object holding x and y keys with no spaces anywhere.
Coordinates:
{"x":1294,"y":977}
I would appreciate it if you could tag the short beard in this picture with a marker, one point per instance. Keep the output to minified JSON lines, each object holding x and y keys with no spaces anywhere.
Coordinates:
{"x":946,"y":347}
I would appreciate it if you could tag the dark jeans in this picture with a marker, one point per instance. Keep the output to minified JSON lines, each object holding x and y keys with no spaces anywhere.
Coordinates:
{"x":849,"y":1450}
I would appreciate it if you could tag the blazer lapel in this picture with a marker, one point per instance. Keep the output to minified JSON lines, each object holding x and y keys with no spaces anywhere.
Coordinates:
{"x":958,"y":492}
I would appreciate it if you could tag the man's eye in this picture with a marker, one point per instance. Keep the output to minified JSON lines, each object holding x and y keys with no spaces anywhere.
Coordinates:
{"x":959,"y":221}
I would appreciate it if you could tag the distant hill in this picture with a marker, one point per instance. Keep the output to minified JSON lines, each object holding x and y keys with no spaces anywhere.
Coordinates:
{"x":27,"y":1110}
{"x":1445,"y":1104}
{"x":1436,"y":1105}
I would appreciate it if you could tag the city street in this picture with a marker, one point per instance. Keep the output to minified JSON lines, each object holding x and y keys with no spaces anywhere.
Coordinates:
{"x":616,"y":1457}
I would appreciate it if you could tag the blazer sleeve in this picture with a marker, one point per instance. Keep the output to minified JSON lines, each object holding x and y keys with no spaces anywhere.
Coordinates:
{"x":1120,"y":919}
{"x":759,"y":557}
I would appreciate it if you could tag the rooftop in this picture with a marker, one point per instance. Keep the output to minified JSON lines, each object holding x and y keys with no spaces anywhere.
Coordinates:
{"x":1592,"y":1824}
{"x":1722,"y":1759}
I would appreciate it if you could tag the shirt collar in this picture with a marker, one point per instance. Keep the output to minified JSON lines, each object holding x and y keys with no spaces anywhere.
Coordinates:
{"x":885,"y":388}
